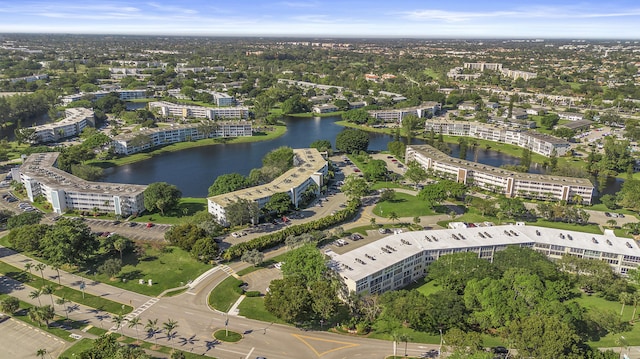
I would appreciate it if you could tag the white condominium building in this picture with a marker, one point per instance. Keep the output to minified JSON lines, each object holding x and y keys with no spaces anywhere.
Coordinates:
{"x":309,"y":168}
{"x":133,"y":142}
{"x":395,"y":261}
{"x":124,"y":95}
{"x":396,"y":115}
{"x":536,"y":142}
{"x":482,"y":66}
{"x":499,"y":180}
{"x":168,"y":109}
{"x":64,"y":191}
{"x":72,"y":125}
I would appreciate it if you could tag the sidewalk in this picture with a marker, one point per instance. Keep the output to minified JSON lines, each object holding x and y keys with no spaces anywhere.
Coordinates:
{"x":73,"y":281}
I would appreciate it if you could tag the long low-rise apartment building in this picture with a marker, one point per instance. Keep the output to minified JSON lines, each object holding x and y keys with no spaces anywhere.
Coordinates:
{"x":396,"y":115}
{"x":500,"y":180}
{"x":76,"y":119}
{"x":40,"y":177}
{"x":124,"y":95}
{"x":133,"y":142}
{"x":395,"y":261}
{"x":168,"y":109}
{"x":536,"y":142}
{"x":308,"y":173}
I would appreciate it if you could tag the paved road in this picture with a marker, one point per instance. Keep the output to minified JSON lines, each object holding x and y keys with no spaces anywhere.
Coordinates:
{"x":71,"y":280}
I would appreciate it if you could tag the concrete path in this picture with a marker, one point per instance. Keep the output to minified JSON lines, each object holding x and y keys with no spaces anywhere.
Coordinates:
{"x":73,"y":281}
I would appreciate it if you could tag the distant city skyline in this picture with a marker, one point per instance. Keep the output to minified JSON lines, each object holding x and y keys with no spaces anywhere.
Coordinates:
{"x":615,"y":19}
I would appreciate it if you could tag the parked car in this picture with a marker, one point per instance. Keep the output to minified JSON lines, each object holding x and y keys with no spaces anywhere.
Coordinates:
{"x":149,"y":225}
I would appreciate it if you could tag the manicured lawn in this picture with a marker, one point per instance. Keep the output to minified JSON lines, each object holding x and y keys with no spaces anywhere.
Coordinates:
{"x":170,"y":267}
{"x":227,"y":336}
{"x":587,"y":228}
{"x":75,"y":350}
{"x":622,"y":233}
{"x":225,"y":294}
{"x":632,"y":336}
{"x":187,"y":207}
{"x":66,"y":292}
{"x":404,"y":205}
{"x":253,"y":308}
{"x":429,"y":288}
{"x":381,"y":185}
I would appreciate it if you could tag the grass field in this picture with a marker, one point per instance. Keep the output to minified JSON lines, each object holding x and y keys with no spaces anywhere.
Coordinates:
{"x":632,"y":336}
{"x":225,"y":294}
{"x":587,"y":228}
{"x":187,"y":207}
{"x":253,"y":308}
{"x":404,"y":205}
{"x":170,"y":267}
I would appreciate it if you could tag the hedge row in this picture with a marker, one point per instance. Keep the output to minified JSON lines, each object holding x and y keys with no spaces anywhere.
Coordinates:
{"x":276,"y":238}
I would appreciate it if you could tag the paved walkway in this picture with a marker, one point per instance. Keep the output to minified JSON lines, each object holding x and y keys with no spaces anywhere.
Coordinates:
{"x":73,"y":281}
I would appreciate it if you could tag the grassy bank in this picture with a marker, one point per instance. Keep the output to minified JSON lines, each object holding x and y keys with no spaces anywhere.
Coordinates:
{"x":277,"y":132}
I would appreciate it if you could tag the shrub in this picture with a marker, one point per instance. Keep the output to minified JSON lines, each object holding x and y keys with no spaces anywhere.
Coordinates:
{"x":253,"y":293}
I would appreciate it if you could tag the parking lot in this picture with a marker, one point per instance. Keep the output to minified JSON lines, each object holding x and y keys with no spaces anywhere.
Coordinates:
{"x":18,"y":341}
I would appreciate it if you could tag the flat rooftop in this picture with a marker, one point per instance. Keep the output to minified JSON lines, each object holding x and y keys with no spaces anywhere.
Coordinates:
{"x":358,"y":263}
{"x":309,"y":161}
{"x":41,"y":167}
{"x":439,"y":156}
{"x":74,"y":115}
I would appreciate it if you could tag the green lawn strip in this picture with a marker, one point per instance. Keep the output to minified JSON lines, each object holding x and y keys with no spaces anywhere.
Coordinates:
{"x":173,"y":293}
{"x":587,"y":228}
{"x":22,"y":316}
{"x":71,"y":294}
{"x":86,"y":344}
{"x":253,"y":308}
{"x":168,"y":268}
{"x":96,"y":331}
{"x":225,"y":294}
{"x":602,"y":208}
{"x":227,"y":336}
{"x":277,"y":132}
{"x":77,"y":348}
{"x":382,"y":184}
{"x":404,"y":205}
{"x":619,"y":232}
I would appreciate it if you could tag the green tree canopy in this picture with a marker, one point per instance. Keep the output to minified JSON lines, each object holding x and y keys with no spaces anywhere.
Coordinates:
{"x":185,"y":235}
{"x":305,"y":263}
{"x":161,"y":196}
{"x":228,"y":183}
{"x":352,"y":141}
{"x":279,"y":203}
{"x":69,"y":241}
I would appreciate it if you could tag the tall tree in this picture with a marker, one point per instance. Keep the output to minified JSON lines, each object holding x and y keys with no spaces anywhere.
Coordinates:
{"x":161,"y":196}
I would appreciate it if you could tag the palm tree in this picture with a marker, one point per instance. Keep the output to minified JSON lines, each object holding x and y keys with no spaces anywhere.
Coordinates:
{"x":41,"y":267}
{"x":393,"y":216}
{"x":624,"y":298}
{"x":152,"y":328}
{"x":41,"y":353}
{"x":35,"y":294}
{"x":46,"y":313}
{"x":120,"y":245}
{"x":28,"y":267}
{"x":612,"y":223}
{"x":47,"y":289}
{"x":56,"y":267}
{"x":635,"y":298}
{"x":404,"y":338}
{"x":170,"y":326}
{"x":373,"y":222}
{"x":34,"y":315}
{"x":119,"y":321}
{"x":63,"y":301}
{"x":134,"y":323}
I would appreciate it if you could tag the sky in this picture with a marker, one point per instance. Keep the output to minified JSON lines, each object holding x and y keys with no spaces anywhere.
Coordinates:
{"x":546,"y":19}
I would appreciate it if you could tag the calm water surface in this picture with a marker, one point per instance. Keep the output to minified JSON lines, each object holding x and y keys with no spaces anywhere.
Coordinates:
{"x":194,"y":170}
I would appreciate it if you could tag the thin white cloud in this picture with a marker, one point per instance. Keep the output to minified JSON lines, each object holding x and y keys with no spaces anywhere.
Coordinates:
{"x":534,"y":12}
{"x":297,"y":4}
{"x":171,"y":9}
